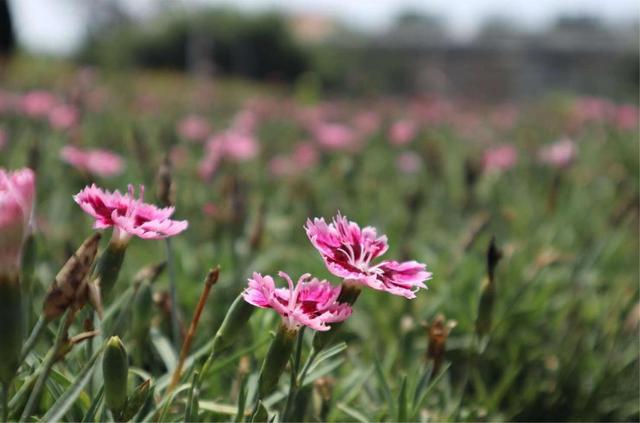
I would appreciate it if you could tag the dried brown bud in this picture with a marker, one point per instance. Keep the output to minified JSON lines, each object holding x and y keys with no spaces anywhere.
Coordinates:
{"x":165,"y":188}
{"x":70,"y":288}
{"x":494,"y":254}
{"x":438,"y":332}
{"x":255,"y":240}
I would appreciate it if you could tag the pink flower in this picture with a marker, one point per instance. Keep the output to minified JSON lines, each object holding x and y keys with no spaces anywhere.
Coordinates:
{"x":348,"y":252}
{"x":313,"y":303}
{"x":627,"y":117}
{"x":194,"y":128}
{"x":233,"y":145}
{"x":305,"y":155}
{"x":408,"y":162}
{"x":334,"y":136}
{"x":63,"y":117}
{"x":402,"y":132}
{"x":128,"y":216}
{"x":98,"y":162}
{"x":17,"y":191}
{"x":500,"y":158}
{"x":37,"y":103}
{"x":367,"y":122}
{"x":559,"y":154}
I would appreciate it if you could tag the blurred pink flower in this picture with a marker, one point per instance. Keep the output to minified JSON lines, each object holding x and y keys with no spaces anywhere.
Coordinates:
{"x":500,"y":158}
{"x":367,"y":122}
{"x":210,"y":210}
{"x":334,"y":136}
{"x":17,"y":191}
{"x":558,"y":154}
{"x":194,"y":128}
{"x":97,"y":162}
{"x":348,"y":251}
{"x":63,"y":116}
{"x":505,"y":117}
{"x":245,"y":121}
{"x":37,"y":103}
{"x":313,"y":303}
{"x":627,"y":117}
{"x":282,"y":165}
{"x":127,"y":215}
{"x":304,"y":157}
{"x":408,"y":162}
{"x":402,"y":132}
{"x":232,"y":145}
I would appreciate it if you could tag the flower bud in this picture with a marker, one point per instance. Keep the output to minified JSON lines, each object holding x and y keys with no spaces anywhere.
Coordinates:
{"x":165,"y":188}
{"x":109,"y":264}
{"x":115,"y":367}
{"x":137,"y":400}
{"x":275,"y":361}
{"x":438,"y":332}
{"x":232,"y":325}
{"x":17,"y":190}
{"x":70,"y":285}
{"x":488,"y":291}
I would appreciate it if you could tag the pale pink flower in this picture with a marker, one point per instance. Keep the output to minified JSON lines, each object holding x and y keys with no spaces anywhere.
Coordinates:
{"x":367,"y":122}
{"x":97,"y":162}
{"x":245,"y":121}
{"x":127,"y":215}
{"x":282,"y":165}
{"x":505,"y":117}
{"x":63,"y":116}
{"x":402,"y":132}
{"x":305,"y":155}
{"x":627,"y":117}
{"x":408,"y":162}
{"x":313,"y":303}
{"x":348,"y":252}
{"x":559,"y":154}
{"x":37,"y":103}
{"x":194,"y":128}
{"x":17,"y":191}
{"x":232,"y":145}
{"x":500,"y":158}
{"x":334,"y":136}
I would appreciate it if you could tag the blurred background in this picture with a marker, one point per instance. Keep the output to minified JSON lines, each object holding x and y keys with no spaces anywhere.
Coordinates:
{"x":440,"y":123}
{"x":488,"y":50}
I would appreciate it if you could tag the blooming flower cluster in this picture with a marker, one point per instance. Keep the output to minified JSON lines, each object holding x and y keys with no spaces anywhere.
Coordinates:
{"x":128,"y":215}
{"x":348,"y":252}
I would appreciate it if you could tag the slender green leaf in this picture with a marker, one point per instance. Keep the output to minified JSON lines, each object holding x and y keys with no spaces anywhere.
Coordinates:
{"x":60,"y":407}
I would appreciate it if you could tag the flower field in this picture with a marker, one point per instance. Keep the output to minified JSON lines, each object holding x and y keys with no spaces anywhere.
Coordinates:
{"x":177,"y":249}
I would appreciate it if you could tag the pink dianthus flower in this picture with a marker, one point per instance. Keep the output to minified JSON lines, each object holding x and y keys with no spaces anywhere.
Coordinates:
{"x":348,"y":252}
{"x":313,"y":303}
{"x":127,"y":215}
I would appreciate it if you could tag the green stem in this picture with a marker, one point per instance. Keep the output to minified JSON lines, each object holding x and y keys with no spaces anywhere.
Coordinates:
{"x":312,"y":356}
{"x":175,"y":325}
{"x":33,"y":338}
{"x":293,"y":385}
{"x":49,"y":361}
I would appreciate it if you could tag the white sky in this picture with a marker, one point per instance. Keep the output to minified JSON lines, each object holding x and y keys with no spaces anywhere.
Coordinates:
{"x":57,"y":26}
